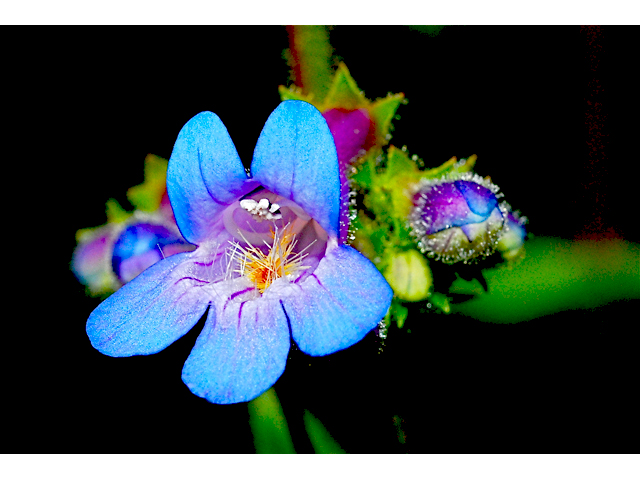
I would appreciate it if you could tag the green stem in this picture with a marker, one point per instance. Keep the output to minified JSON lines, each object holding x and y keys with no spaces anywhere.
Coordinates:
{"x":269,"y":425}
{"x":310,"y":59}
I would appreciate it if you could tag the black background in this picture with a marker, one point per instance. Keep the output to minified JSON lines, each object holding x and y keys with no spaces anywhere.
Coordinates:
{"x":93,"y":102}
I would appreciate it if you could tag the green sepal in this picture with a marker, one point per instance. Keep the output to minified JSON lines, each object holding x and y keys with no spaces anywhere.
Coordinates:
{"x":148,"y":195}
{"x":115,"y":212}
{"x":85,"y":234}
{"x":294,"y":93}
{"x":397,"y":313}
{"x":451,"y":167}
{"x":365,"y":240}
{"x":382,"y":112}
{"x":366,"y":171}
{"x":390,"y":186}
{"x":344,"y":92}
{"x":401,"y":174}
{"x":440,"y":301}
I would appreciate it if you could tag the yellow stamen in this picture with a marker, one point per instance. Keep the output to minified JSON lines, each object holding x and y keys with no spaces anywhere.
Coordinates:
{"x":262,"y":269}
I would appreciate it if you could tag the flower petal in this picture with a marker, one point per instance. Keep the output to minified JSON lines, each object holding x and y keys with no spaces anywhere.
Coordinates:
{"x":241,"y":351}
{"x":338,"y":304}
{"x":204,"y":176}
{"x":480,"y":199}
{"x":444,"y":207}
{"x":296,"y":157}
{"x":149,"y":313}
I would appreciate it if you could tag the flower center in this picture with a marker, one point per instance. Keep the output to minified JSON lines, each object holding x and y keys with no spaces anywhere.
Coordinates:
{"x":263,"y":266}
{"x":271,"y":237}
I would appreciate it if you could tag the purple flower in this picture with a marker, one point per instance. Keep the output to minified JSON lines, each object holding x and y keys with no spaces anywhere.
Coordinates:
{"x":268,"y":264}
{"x":457,"y":219}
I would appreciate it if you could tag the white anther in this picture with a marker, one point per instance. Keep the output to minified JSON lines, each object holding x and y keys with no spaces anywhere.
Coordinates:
{"x":249,"y":205}
{"x":262,"y":209}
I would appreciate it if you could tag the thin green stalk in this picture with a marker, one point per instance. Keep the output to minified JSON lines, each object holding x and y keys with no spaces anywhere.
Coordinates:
{"x":269,"y":425}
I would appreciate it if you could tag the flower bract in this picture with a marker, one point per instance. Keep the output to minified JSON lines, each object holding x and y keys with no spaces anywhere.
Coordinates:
{"x":269,"y":264}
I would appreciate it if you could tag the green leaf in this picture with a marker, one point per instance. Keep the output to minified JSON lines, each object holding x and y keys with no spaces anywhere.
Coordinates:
{"x":557,"y":275}
{"x":321,"y":439}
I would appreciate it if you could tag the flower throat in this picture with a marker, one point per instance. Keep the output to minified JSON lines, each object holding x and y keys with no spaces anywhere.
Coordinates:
{"x":262,"y":265}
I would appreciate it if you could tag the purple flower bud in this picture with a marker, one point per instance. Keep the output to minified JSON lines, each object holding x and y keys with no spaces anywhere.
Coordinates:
{"x":350,"y":129}
{"x":457,"y":219}
{"x":140,"y":245}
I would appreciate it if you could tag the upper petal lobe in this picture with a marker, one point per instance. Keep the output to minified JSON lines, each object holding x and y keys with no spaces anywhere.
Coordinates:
{"x":204,"y":176}
{"x":296,"y":157}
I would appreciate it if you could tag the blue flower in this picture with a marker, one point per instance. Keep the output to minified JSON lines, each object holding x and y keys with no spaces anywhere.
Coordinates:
{"x":268,"y":263}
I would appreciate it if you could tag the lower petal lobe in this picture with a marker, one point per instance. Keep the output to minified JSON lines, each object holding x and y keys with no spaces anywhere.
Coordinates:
{"x":241,"y":351}
{"x":150,"y":312}
{"x":338,"y":304}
